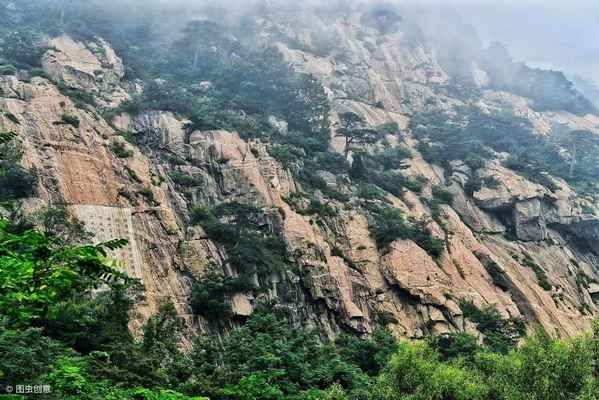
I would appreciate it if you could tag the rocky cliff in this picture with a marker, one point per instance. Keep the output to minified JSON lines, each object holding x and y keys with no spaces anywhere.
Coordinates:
{"x":527,"y":247}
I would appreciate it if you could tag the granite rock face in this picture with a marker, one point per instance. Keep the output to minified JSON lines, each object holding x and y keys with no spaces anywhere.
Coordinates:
{"x":343,"y":282}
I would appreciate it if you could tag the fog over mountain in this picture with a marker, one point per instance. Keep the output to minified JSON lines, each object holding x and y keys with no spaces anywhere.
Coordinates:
{"x":548,"y":34}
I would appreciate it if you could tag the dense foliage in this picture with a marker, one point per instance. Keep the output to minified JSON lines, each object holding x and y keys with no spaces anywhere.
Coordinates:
{"x":78,"y":342}
{"x":64,"y":311}
{"x":254,"y":251}
{"x":16,"y":182}
{"x":390,"y":225}
{"x":472,"y":135}
{"x":80,"y":346}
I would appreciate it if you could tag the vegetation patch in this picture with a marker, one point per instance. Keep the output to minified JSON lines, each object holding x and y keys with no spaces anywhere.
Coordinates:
{"x":390,"y":224}
{"x":501,"y":335}
{"x":8,"y":70}
{"x":472,"y":135}
{"x":12,"y":118}
{"x":211,"y":294}
{"x":68,"y":119}
{"x":305,"y":204}
{"x":497,"y":273}
{"x":539,"y":272}
{"x":120,"y":150}
{"x":16,"y":182}
{"x":184,"y":179}
{"x":251,"y":245}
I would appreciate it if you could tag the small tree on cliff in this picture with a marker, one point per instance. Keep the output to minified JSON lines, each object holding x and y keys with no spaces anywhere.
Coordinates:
{"x":352,"y":127}
{"x":200,"y":35}
{"x":584,"y":153}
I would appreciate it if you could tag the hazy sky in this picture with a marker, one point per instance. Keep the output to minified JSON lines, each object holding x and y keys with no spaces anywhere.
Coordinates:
{"x":559,"y":34}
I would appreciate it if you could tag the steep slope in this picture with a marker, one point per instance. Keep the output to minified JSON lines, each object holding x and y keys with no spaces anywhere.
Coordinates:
{"x":523,"y":245}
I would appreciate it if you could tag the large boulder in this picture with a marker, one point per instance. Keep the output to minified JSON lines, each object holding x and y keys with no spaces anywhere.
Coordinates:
{"x":92,"y":67}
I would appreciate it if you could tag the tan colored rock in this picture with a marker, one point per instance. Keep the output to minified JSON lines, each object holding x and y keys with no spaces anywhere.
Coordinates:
{"x":241,"y":305}
{"x":92,"y":67}
{"x":510,"y":189}
{"x":472,"y":215}
{"x":412,"y":269}
{"x":341,"y":281}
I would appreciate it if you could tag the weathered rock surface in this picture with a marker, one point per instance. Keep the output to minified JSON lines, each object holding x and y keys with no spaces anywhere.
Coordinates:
{"x":343,"y":281}
{"x":92,"y":67}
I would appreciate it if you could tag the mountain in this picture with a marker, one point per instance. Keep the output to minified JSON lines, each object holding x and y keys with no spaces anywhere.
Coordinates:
{"x":341,"y":163}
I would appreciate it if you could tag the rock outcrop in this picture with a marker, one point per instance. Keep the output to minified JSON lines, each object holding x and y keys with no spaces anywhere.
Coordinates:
{"x":343,"y":281}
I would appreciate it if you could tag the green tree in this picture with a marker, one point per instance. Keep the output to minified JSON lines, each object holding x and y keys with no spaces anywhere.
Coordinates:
{"x":266,"y":356}
{"x":584,"y":153}
{"x":26,"y":354}
{"x":16,"y":182}
{"x":351,"y":126}
{"x":36,"y":274}
{"x":543,"y":368}
{"x":195,"y":35}
{"x":23,"y":48}
{"x":370,"y":354}
{"x":416,"y":373}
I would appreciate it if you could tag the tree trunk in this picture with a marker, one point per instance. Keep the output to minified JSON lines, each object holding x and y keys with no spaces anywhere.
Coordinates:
{"x":573,"y":162}
{"x":348,"y":142}
{"x":196,"y":56}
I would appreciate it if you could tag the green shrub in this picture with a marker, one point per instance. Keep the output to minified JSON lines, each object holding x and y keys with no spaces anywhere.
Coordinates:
{"x":287,"y":155}
{"x":305,"y":204}
{"x":211,"y":293}
{"x":442,"y":195}
{"x":128,"y":195}
{"x":452,"y":346}
{"x":16,"y":182}
{"x":332,"y":162}
{"x":251,"y":247}
{"x":311,"y":180}
{"x":390,"y":225}
{"x":498,"y":275}
{"x":132,"y":174}
{"x":370,"y":354}
{"x":78,"y":96}
{"x":12,"y":118}
{"x":539,"y":273}
{"x":121,"y":151}
{"x":475,"y":162}
{"x":184,"y":180}
{"x":415,"y":372}
{"x":476,"y":183}
{"x":390,"y":128}
{"x":500,"y":335}
{"x":26,"y":354}
{"x":268,"y":358}
{"x":148,"y":194}
{"x":396,"y":183}
{"x":6,"y":137}
{"x":369,"y":191}
{"x":8,"y":70}
{"x":33,"y":72}
{"x":68,"y":119}
{"x":390,"y":158}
